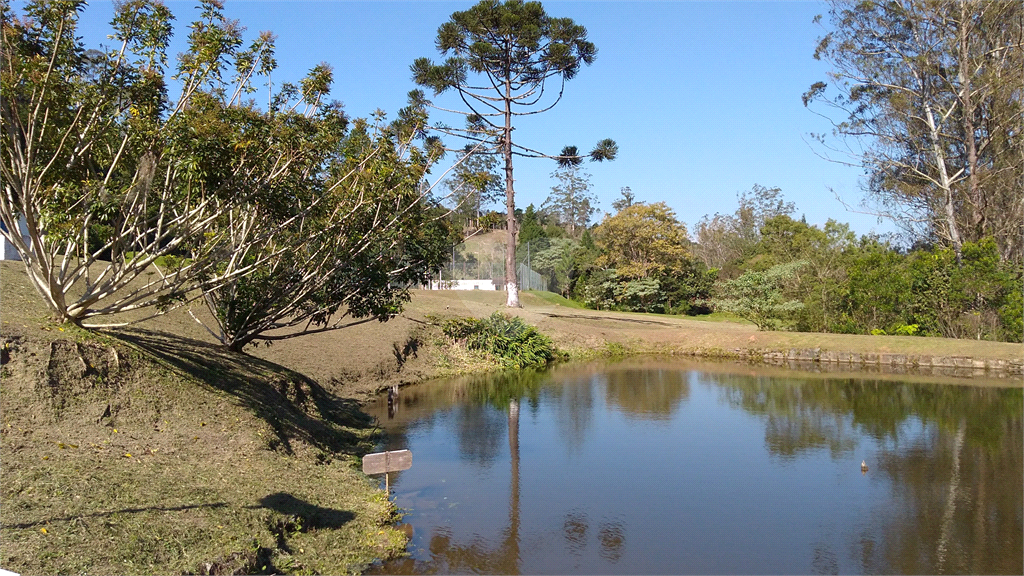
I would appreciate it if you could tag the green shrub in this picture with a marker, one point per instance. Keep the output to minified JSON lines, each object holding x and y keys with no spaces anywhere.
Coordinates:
{"x":1011,"y":315}
{"x":925,"y":292}
{"x":615,"y":350}
{"x":906,"y":330}
{"x":461,"y":328}
{"x":758,"y":296}
{"x":511,"y":341}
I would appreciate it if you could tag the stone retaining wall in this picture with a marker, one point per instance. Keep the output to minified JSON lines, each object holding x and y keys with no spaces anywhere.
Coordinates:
{"x":892,"y":362}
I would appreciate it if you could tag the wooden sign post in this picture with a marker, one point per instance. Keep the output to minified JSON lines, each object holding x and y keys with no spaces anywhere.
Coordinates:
{"x":385,"y":463}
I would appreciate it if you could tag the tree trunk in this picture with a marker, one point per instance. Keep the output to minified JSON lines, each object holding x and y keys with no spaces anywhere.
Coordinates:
{"x":512,"y":541}
{"x":977,"y":223}
{"x":949,"y":210}
{"x":511,"y":282}
{"x":945,"y":529}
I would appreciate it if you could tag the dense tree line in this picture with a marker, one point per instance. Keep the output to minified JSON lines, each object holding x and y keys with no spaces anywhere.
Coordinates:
{"x":926,"y":98}
{"x":638,"y":259}
{"x":826,"y":279}
{"x":780,"y":272}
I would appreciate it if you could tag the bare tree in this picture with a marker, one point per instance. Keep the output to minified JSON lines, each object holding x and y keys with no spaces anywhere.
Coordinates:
{"x":571,"y":199}
{"x":722,"y":239}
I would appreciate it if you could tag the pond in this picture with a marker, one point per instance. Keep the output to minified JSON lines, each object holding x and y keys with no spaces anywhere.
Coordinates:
{"x":653,"y":466}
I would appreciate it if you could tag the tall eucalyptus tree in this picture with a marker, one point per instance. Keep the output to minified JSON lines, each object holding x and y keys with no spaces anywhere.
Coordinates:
{"x":571,"y":200}
{"x":928,"y":100}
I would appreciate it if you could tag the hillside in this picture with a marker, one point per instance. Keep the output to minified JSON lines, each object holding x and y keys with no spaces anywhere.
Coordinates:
{"x":481,"y":256}
{"x":144,"y":452}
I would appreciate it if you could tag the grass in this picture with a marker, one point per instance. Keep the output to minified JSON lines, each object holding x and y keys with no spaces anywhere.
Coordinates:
{"x":718,"y":316}
{"x":555,"y":299}
{"x":165,"y":261}
{"x":143,"y":454}
{"x":484,"y":243}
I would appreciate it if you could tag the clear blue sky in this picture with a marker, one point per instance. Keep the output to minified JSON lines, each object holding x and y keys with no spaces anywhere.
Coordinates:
{"x":703,"y":98}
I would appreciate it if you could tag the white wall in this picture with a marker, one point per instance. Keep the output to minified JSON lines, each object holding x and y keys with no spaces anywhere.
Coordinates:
{"x":7,"y":251}
{"x":485,"y":284}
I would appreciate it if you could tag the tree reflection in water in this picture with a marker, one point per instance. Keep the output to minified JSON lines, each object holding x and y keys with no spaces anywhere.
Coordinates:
{"x":646,"y":394}
{"x":946,"y":464}
{"x":960,"y":483}
{"x":480,"y":432}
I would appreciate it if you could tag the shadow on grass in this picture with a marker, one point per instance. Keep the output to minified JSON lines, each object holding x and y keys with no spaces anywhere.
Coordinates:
{"x":616,"y":318}
{"x":122,"y":511}
{"x":295,"y":407}
{"x":313,"y":517}
{"x":299,"y":516}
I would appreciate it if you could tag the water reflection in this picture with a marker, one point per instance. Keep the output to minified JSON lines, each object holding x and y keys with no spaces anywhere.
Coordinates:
{"x":962,"y":503}
{"x":574,"y":412}
{"x":481,"y":432}
{"x":674,"y":469}
{"x":612,"y":536}
{"x":645,"y":393}
{"x":950,"y":520}
{"x":576,"y":528}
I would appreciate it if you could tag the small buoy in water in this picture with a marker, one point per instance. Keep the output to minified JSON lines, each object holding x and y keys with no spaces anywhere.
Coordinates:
{"x":863,"y":466}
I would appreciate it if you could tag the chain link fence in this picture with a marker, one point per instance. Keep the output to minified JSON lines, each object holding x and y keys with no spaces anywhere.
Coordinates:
{"x":476,"y":267}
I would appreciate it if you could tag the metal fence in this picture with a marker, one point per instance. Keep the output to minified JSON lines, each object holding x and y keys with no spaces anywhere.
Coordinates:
{"x":529,"y":279}
{"x":486,"y":266}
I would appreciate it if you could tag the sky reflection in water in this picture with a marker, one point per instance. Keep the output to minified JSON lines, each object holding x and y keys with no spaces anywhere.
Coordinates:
{"x":654,"y":467}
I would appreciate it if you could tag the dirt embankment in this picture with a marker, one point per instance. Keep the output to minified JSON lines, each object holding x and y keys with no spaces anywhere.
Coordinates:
{"x":152,"y":450}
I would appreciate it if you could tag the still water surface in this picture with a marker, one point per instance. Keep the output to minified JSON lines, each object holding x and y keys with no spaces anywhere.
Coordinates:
{"x":668,"y":468}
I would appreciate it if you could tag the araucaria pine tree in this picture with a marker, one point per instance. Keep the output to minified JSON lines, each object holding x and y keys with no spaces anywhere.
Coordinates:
{"x":500,"y":58}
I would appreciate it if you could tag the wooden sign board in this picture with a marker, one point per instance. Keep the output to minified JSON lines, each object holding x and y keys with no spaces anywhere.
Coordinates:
{"x":384,"y":462}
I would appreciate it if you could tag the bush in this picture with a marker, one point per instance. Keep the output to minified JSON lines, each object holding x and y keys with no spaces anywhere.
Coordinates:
{"x":685,"y":289}
{"x":961,"y":300}
{"x":461,"y":328}
{"x":1011,"y":315}
{"x":927,"y":293}
{"x":758,"y":296}
{"x":512,"y":342}
{"x":906,"y":330}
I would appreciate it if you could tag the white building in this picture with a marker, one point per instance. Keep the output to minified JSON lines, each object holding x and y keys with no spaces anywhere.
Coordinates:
{"x":485,"y":284}
{"x":8,"y":251}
